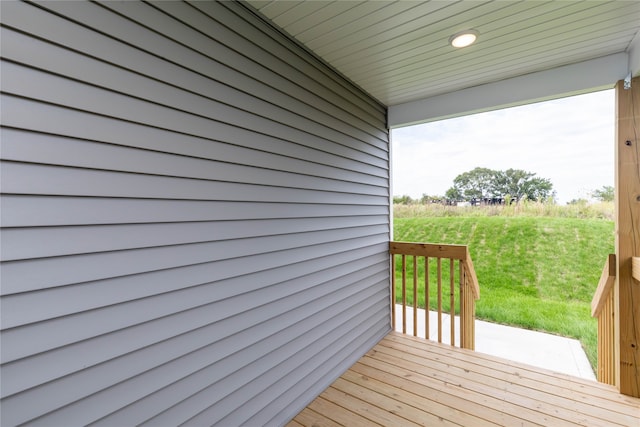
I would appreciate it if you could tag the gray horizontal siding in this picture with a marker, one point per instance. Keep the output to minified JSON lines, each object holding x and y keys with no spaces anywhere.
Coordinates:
{"x":97,"y":183}
{"x":22,"y":210}
{"x":203,"y":117}
{"x":22,"y":242}
{"x":195,"y":217}
{"x":210,"y":334}
{"x":56,"y":150}
{"x":183,"y":72}
{"x":49,"y":272}
{"x":255,"y":150}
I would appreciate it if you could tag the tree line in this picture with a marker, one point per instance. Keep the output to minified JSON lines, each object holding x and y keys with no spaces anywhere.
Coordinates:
{"x":488,"y":186}
{"x":481,"y":184}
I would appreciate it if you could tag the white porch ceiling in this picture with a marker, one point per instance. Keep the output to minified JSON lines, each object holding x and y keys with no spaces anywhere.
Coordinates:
{"x":398,"y":51}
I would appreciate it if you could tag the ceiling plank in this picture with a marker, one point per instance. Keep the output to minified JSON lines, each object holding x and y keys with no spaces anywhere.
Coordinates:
{"x":505,"y":45}
{"x":398,"y":51}
{"x":319,"y":18}
{"x":389,"y":53}
{"x":298,"y":12}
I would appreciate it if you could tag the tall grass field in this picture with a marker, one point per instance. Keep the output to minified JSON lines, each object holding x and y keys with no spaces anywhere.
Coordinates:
{"x":538,"y":267}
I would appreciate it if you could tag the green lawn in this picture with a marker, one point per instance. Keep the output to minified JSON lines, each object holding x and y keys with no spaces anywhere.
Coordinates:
{"x":534,"y":272}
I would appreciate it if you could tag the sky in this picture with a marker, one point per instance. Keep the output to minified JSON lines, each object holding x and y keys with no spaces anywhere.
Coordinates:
{"x":570,"y":141}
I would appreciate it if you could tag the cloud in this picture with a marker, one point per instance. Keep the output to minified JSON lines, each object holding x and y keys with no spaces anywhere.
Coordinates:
{"x":569,"y":141}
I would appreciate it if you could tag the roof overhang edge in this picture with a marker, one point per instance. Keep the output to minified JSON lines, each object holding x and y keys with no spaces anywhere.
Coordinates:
{"x":574,"y":79}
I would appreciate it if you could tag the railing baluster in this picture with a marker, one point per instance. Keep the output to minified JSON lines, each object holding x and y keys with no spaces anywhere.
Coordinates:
{"x":452,"y":307}
{"x":415,"y":295}
{"x":463,"y":306}
{"x":605,"y":345}
{"x":427,"y":297}
{"x":439,"y":299}
{"x":605,"y":342}
{"x":404,"y":294}
{"x":393,"y":292}
{"x":608,"y":344}
{"x":471,"y":314}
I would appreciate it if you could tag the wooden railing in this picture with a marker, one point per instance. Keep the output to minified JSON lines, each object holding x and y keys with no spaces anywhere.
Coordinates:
{"x":602,"y":308}
{"x":416,"y":261}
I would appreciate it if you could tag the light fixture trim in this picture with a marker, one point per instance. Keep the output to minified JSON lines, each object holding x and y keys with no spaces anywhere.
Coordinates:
{"x":464,"y":38}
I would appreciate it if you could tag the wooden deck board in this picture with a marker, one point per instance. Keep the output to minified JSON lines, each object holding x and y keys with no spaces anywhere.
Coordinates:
{"x":554,"y":383}
{"x":549,"y":400}
{"x":407,"y":381}
{"x":438,"y":405}
{"x":309,"y":417}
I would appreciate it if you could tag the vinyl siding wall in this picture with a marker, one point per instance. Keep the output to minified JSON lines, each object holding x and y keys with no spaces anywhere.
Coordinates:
{"x":195,"y":217}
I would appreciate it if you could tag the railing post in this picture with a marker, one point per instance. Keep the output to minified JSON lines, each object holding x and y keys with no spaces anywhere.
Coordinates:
{"x":602,"y":307}
{"x":472,"y":291}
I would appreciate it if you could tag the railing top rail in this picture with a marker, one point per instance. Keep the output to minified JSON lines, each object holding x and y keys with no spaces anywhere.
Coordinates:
{"x":605,"y":285}
{"x":429,"y":250}
{"x":436,"y":250}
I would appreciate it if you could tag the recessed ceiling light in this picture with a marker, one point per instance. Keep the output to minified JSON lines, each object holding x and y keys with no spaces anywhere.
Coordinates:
{"x":463,"y":38}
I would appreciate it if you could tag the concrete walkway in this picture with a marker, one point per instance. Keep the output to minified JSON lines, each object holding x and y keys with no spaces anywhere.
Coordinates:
{"x":539,"y":349}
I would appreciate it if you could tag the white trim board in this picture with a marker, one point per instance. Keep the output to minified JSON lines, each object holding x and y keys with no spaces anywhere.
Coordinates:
{"x":575,"y":79}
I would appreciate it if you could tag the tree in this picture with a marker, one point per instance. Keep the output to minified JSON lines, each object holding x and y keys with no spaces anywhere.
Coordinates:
{"x":512,"y":182}
{"x":604,"y":194}
{"x":516,"y":184}
{"x":427,"y":199}
{"x":453,"y":194}
{"x":475,"y":184}
{"x":520,"y":184}
{"x":402,"y":200}
{"x":538,"y":189}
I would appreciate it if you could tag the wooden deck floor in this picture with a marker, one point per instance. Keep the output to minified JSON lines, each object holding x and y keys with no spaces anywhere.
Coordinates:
{"x":406,"y":381}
